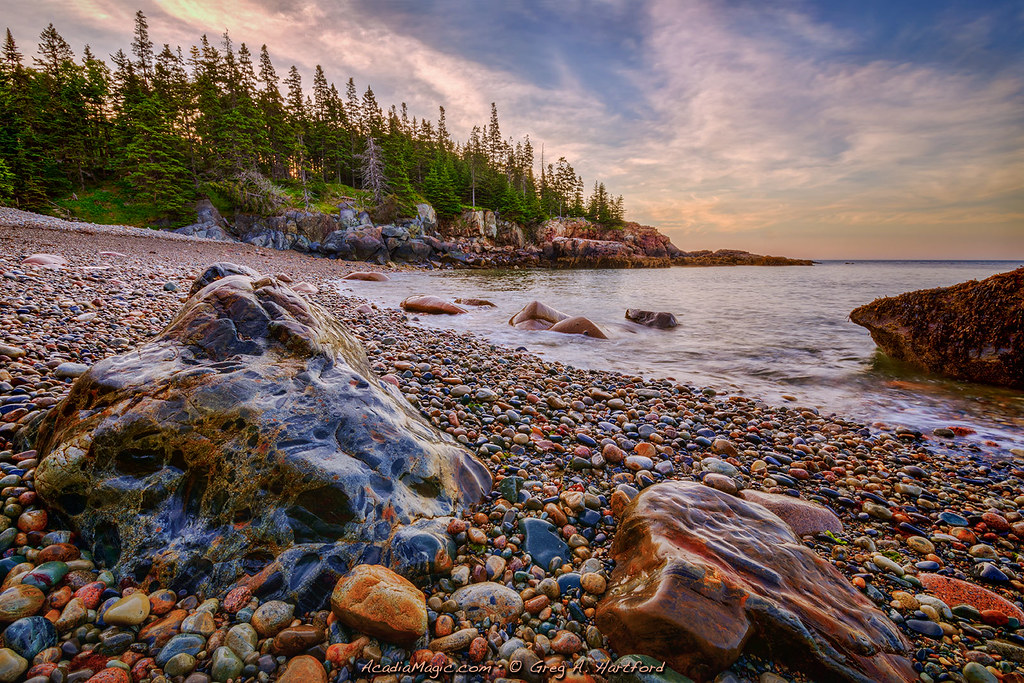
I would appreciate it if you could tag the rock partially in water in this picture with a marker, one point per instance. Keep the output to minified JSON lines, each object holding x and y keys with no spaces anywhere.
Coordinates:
{"x":536,"y":316}
{"x":972,"y":331}
{"x":250,"y":424}
{"x":578,"y":325}
{"x":701,"y":576}
{"x":425,"y":303}
{"x":539,"y":316}
{"x":366,"y":276}
{"x":660,"y":319}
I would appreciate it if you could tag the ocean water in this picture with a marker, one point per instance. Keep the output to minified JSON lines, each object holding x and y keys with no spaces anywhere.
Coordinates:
{"x":781,"y":334}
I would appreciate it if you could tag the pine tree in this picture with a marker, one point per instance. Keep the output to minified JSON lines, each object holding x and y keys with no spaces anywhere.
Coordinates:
{"x":439,"y":190}
{"x":142,"y":47}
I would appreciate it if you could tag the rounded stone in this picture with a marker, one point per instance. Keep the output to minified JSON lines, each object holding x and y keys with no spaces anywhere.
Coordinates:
{"x":270,"y":617}
{"x":20,"y":601}
{"x":489,"y":600}
{"x":30,"y":636}
{"x":303,"y":669}
{"x":225,"y":665}
{"x":12,"y":665}
{"x":180,"y":664}
{"x":130,"y":610}
{"x":378,"y":602}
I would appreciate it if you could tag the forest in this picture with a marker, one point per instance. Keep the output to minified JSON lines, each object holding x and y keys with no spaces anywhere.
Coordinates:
{"x":161,"y":128}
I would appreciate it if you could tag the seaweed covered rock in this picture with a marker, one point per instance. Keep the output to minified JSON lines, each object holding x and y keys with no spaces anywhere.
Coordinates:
{"x":972,"y":331}
{"x":250,"y":424}
{"x":701,"y":576}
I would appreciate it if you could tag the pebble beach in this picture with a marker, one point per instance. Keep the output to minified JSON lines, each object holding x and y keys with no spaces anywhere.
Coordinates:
{"x":929,"y":531}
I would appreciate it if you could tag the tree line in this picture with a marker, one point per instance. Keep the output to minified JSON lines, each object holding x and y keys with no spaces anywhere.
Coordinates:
{"x":168,"y":126}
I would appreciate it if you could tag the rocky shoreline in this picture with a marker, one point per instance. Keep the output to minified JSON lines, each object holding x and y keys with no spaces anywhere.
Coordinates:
{"x":926,"y":532}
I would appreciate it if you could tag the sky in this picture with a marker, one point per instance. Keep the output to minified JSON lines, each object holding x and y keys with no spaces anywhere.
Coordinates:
{"x":868,"y":129}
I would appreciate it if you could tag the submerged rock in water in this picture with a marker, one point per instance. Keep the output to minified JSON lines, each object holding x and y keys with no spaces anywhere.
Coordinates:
{"x":972,"y":331}
{"x":251,"y":423}
{"x":660,"y":319}
{"x":702,"y":575}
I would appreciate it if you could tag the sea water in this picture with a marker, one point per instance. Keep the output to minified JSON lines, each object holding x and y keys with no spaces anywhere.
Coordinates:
{"x":781,"y":334}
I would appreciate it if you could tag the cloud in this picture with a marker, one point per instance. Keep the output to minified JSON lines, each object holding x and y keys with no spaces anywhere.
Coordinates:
{"x":770,"y":124}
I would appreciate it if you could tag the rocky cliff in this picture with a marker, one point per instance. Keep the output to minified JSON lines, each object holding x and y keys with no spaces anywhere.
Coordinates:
{"x":973,"y":330}
{"x":473,"y":239}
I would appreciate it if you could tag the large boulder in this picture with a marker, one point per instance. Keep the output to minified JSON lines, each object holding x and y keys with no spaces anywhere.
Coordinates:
{"x":365,"y":243}
{"x":701,"y":575}
{"x":250,"y":424}
{"x":972,"y":331}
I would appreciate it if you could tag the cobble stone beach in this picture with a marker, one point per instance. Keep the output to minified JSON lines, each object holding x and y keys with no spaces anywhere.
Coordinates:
{"x":825,"y":550}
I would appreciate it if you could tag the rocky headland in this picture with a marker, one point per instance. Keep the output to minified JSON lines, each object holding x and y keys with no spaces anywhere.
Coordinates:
{"x":473,"y":239}
{"x":473,"y":511}
{"x":971,"y":331}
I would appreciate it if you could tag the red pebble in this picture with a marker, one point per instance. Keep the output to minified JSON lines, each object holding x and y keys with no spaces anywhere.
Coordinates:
{"x":236,"y":599}
{"x":994,"y":617}
{"x":91,"y":593}
{"x":111,"y":675}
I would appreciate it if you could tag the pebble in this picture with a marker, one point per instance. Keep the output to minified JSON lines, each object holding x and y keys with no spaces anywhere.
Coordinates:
{"x":545,"y":430}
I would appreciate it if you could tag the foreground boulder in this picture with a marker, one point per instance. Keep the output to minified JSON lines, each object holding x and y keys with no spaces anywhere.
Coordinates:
{"x":701,"y":576}
{"x":659,"y":319}
{"x":972,"y":331}
{"x":250,"y":424}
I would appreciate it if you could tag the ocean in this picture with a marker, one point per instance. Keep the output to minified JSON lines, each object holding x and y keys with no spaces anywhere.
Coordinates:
{"x":781,"y":334}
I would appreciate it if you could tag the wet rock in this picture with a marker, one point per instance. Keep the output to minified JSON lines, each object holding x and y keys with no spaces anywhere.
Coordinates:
{"x":20,"y":601}
{"x":424,"y":303}
{"x":973,"y":330}
{"x":699,"y":573}
{"x":374,"y":600}
{"x":536,"y":316}
{"x":489,"y":600}
{"x":176,"y":457}
{"x":30,"y":636}
{"x":303,"y":669}
{"x":367,"y":276}
{"x":128,"y":611}
{"x":661,"y":320}
{"x":541,"y":541}
{"x":217,"y":271}
{"x":953,"y":591}
{"x":804,"y":517}
{"x":578,"y":325}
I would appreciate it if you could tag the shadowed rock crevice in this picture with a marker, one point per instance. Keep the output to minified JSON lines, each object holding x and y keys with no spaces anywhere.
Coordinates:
{"x":252,"y":423}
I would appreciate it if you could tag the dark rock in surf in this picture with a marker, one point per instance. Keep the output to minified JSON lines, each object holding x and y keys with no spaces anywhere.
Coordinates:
{"x":660,"y":319}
